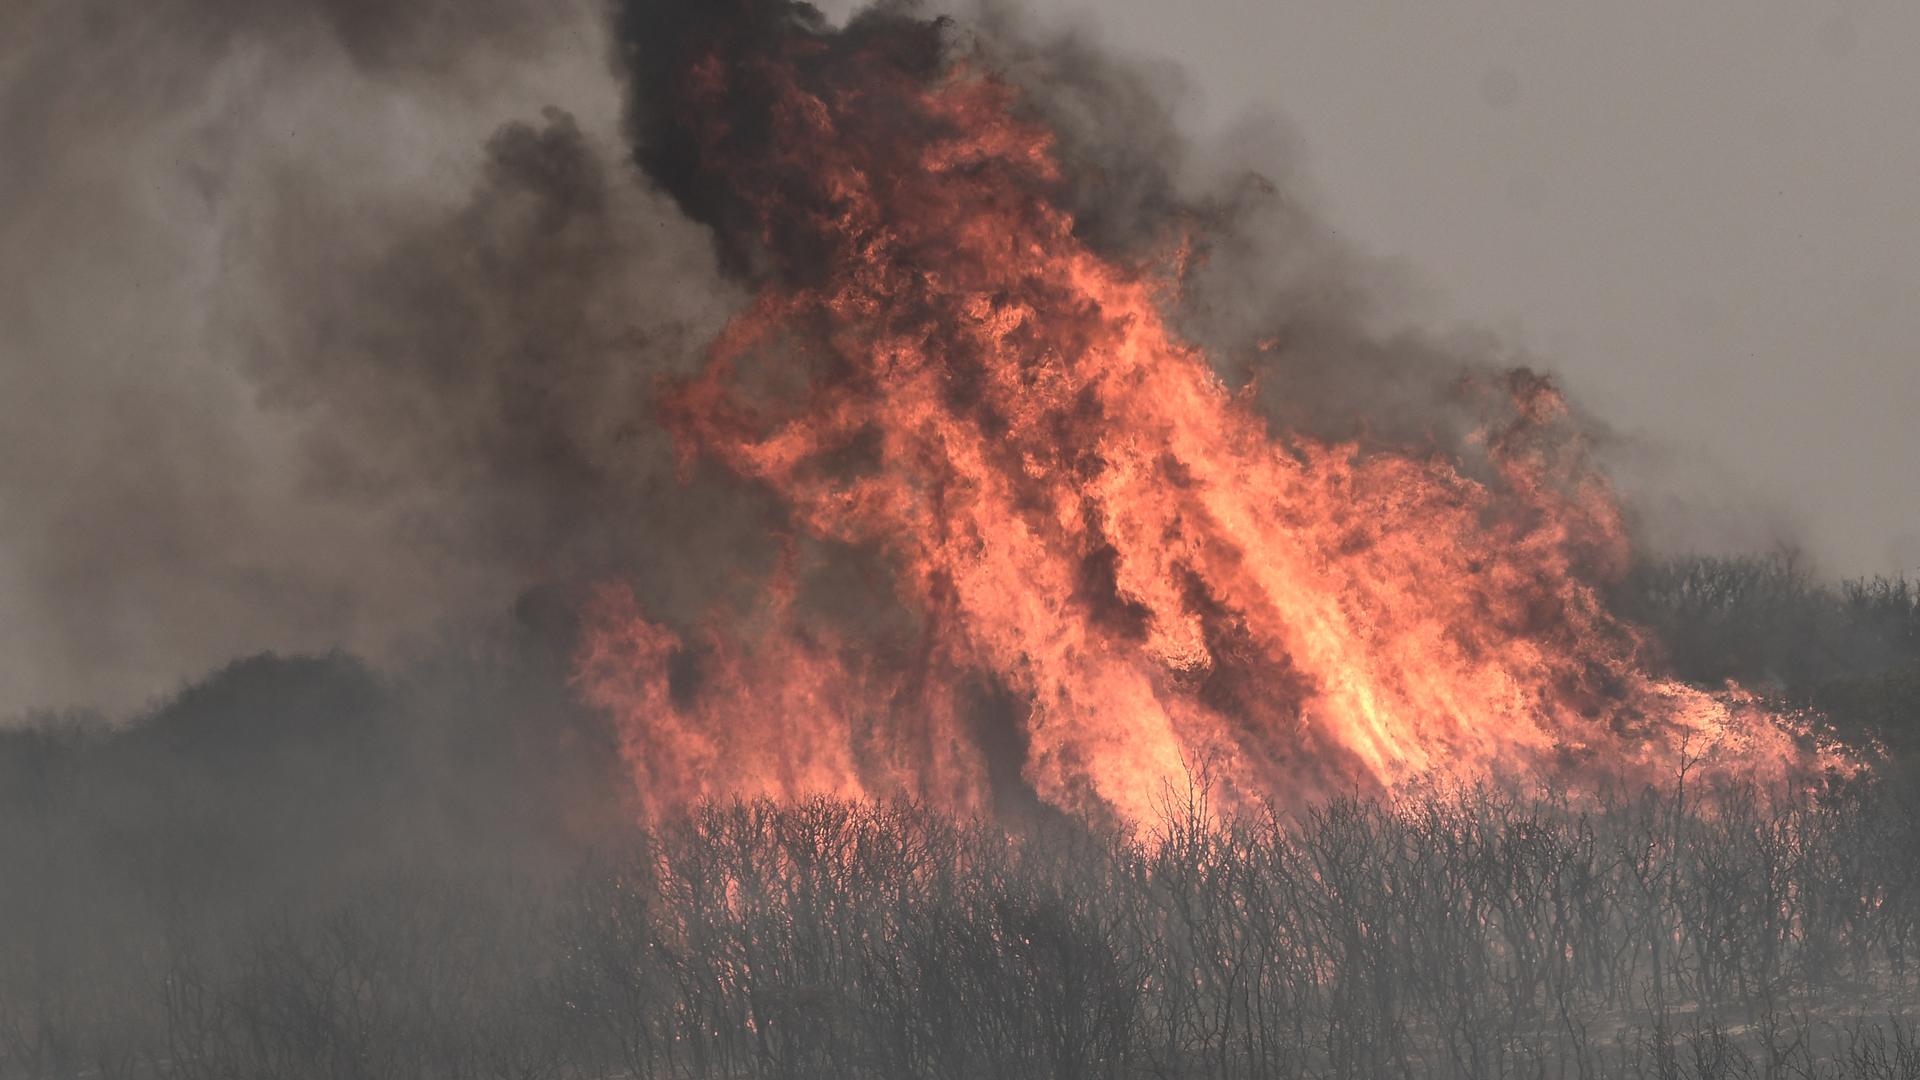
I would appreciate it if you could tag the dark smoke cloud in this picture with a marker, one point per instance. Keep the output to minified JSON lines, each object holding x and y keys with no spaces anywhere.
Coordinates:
{"x":1270,"y":290}
{"x":485,"y":379}
{"x":319,"y":330}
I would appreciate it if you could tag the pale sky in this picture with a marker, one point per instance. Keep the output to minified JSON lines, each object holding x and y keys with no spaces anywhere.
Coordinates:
{"x":1703,"y":215}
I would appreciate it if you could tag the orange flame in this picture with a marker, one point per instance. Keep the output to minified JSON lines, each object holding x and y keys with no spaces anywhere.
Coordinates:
{"x":1076,"y":509}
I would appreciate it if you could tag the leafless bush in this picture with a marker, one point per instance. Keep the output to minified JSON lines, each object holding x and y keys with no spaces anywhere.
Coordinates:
{"x":1474,"y":934}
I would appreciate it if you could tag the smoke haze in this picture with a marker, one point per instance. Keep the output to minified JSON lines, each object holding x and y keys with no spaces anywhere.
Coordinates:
{"x":314,"y":326}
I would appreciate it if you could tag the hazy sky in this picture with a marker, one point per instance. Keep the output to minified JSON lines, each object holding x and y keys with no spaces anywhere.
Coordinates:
{"x":1704,"y":215}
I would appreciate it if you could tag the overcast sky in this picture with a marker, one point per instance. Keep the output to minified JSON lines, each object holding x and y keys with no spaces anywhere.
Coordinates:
{"x":1703,"y":215}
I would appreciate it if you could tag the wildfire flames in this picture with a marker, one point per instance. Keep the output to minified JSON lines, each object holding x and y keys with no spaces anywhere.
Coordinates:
{"x":1072,"y":506}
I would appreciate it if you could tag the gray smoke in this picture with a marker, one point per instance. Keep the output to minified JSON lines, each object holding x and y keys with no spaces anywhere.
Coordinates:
{"x":327,"y":324}
{"x":1273,"y":293}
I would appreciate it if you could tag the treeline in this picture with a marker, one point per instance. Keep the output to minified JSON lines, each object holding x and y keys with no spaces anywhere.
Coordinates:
{"x":1849,"y":650}
{"x":296,"y":869}
{"x":278,"y":791}
{"x":1469,"y":934}
{"x":1479,"y":934}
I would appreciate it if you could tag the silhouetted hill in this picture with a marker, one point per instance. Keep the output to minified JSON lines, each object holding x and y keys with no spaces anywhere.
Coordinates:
{"x":269,"y":704}
{"x":291,"y":781}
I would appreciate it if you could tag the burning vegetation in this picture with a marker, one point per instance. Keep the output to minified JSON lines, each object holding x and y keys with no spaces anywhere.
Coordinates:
{"x":1070,"y":507}
{"x":955,"y":632}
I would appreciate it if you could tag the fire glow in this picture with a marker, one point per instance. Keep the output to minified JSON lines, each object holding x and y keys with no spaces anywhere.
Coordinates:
{"x":1075,"y":509}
